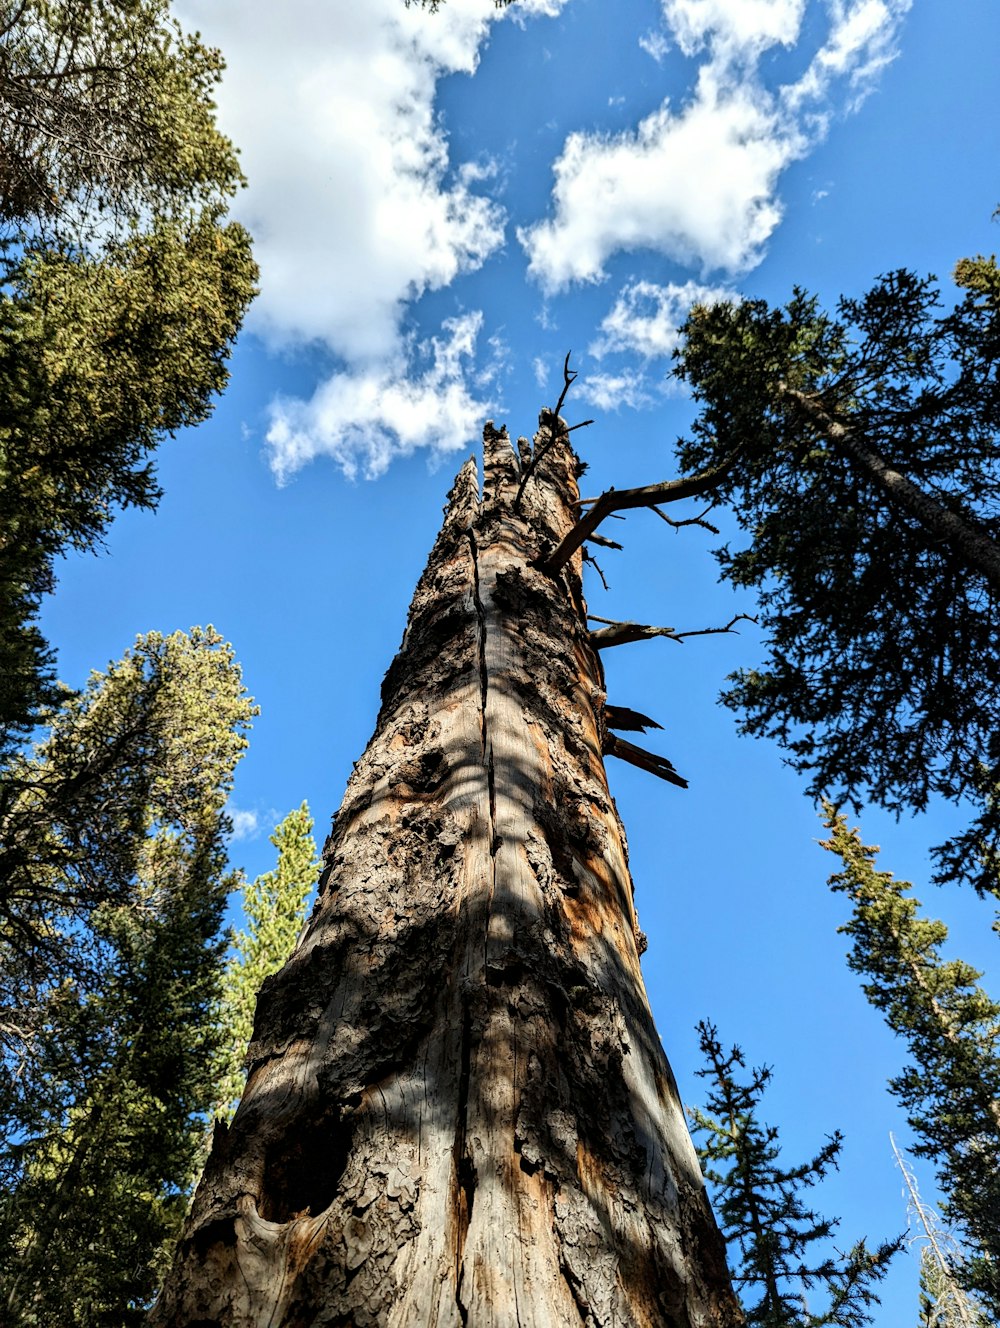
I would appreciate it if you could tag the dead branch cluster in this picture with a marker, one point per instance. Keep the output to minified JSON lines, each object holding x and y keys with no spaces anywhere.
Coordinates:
{"x":557,"y":430}
{"x":615,"y":633}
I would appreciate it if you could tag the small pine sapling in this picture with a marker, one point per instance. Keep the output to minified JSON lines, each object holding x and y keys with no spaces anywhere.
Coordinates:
{"x":773,"y":1237}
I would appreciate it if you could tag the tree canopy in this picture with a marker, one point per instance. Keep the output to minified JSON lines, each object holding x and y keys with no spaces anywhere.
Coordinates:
{"x":859,"y":452}
{"x":274,"y":907}
{"x":121,"y":287}
{"x":113,"y":883}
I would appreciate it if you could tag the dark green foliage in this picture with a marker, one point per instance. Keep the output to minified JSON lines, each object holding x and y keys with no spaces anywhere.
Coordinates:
{"x":771,"y":1232}
{"x":112,"y":890}
{"x":121,"y":288}
{"x":882,"y":678}
{"x":951,"y":1090}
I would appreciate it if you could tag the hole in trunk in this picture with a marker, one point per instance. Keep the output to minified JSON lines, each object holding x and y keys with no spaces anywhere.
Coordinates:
{"x":302,"y":1169}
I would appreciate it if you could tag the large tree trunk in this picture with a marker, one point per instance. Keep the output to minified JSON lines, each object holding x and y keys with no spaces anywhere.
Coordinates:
{"x":458,"y":1109}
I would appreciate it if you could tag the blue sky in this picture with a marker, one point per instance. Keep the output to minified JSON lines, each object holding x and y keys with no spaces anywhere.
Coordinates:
{"x":443,"y":206}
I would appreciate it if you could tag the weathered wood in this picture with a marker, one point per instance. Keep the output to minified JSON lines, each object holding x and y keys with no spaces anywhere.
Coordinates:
{"x":458,"y":1111}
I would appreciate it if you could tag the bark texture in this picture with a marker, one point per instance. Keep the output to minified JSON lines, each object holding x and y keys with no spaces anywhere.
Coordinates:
{"x":458,"y":1110}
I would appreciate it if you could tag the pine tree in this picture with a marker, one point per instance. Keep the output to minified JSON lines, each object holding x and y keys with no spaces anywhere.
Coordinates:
{"x":951,"y":1090}
{"x":773,"y":1236}
{"x":121,"y":288}
{"x":847,"y":443}
{"x":113,"y":892}
{"x":274,"y":906}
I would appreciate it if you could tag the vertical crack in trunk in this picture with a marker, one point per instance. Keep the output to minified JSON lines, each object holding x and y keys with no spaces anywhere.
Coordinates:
{"x":481,"y":616}
{"x":486,"y":1132}
{"x":464,"y":1169}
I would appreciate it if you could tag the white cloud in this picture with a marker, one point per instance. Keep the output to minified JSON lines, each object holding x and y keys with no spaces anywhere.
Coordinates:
{"x":655,"y":44}
{"x":350,"y":201}
{"x":613,"y":391}
{"x":646,"y":317}
{"x":541,"y":371}
{"x":745,"y":29}
{"x":698,"y":187}
{"x":364,"y":417}
{"x":862,"y":41}
{"x":699,"y":184}
{"x":245,"y":824}
{"x":355,"y":206}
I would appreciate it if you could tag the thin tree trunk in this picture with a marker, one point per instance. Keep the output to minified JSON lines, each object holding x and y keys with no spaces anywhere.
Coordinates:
{"x":458,"y":1109}
{"x":974,"y":545}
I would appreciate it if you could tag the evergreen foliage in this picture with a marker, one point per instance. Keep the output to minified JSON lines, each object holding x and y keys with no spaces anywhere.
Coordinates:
{"x":112,"y":892}
{"x":121,"y":288}
{"x":274,"y":905}
{"x":951,"y":1091}
{"x":856,"y":443}
{"x":771,"y":1233}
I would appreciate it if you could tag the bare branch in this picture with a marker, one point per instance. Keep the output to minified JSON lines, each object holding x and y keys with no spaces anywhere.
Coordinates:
{"x":649,"y":761}
{"x":691,"y":520}
{"x":616,"y":500}
{"x":716,"y":631}
{"x":622,"y":633}
{"x":969,"y":539}
{"x":587,"y":558}
{"x":603,"y":541}
{"x":557,"y":430}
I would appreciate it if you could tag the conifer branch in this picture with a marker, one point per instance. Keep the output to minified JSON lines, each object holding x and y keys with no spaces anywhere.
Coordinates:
{"x":964,"y":535}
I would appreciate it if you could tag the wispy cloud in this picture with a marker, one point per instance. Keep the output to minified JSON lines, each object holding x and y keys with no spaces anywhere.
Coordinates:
{"x":655,"y":44}
{"x":863,"y":39}
{"x":245,"y":824}
{"x":364,"y":417}
{"x":646,"y":318}
{"x":699,"y":184}
{"x":606,"y":391}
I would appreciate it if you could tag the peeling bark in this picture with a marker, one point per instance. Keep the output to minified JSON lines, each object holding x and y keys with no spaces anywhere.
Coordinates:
{"x":458,"y":1111}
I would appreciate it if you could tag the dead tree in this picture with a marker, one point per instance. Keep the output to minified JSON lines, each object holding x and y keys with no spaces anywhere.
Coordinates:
{"x":458,"y":1110}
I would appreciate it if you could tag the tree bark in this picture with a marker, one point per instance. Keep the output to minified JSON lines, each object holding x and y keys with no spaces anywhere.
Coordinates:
{"x":458,"y":1110}
{"x":974,"y":545}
